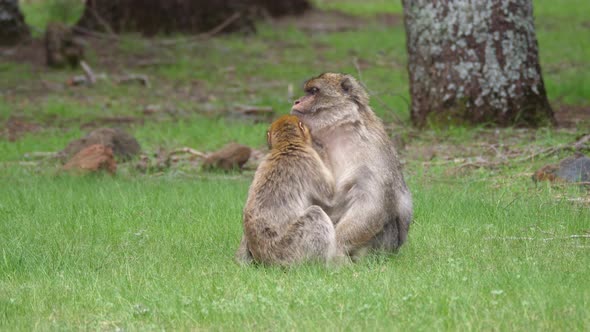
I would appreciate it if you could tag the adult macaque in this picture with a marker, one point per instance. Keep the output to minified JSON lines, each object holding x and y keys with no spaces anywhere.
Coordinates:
{"x":372,"y":204}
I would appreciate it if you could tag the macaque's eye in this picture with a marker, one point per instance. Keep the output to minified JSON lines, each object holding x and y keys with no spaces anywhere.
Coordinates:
{"x":313,"y":90}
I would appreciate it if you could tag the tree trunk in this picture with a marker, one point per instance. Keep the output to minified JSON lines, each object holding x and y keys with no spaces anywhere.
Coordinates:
{"x":474,"y":61}
{"x":13,"y":28}
{"x":187,"y":16}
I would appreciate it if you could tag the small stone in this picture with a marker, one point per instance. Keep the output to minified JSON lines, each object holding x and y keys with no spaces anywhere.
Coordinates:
{"x":123,"y":145}
{"x":571,"y":169}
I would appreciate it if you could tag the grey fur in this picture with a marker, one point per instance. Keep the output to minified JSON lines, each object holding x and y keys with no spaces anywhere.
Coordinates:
{"x":372,"y":204}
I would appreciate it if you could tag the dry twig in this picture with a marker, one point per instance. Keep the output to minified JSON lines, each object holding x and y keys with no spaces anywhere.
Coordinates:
{"x":91,"y":78}
{"x":190,"y":151}
{"x":579,"y":145}
{"x":96,"y":34}
{"x":103,"y":23}
{"x":142,"y":79}
{"x":202,"y":36}
{"x":40,"y":155}
{"x":165,"y":42}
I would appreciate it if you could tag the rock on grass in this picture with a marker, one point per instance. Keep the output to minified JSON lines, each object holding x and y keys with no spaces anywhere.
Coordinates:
{"x":94,"y":158}
{"x":572,"y":169}
{"x":231,"y":156}
{"x":123,"y":145}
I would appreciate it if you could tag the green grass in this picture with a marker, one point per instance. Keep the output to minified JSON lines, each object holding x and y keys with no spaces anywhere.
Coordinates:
{"x":564,"y":49}
{"x":148,"y":253}
{"x":488,"y":249}
{"x":361,"y":7}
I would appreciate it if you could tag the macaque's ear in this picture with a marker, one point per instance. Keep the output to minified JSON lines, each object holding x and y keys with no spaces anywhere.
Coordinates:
{"x":305,"y":132}
{"x":346,"y":84}
{"x":268,"y":139}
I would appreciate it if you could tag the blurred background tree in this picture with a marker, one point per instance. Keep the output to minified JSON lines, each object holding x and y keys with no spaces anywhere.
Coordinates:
{"x":166,"y":16}
{"x":12,"y":24}
{"x":474,"y":62}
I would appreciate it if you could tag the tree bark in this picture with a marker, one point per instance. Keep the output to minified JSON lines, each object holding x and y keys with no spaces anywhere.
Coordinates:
{"x":474,"y":61}
{"x":13,"y":28}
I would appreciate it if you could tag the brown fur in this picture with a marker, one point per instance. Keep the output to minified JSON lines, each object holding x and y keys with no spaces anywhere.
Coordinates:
{"x":372,"y":204}
{"x":284,"y":217}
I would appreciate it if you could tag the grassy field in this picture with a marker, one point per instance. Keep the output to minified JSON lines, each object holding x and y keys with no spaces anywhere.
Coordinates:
{"x":488,"y":249}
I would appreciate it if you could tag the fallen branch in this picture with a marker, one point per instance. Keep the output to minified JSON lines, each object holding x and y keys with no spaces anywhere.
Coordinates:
{"x":20,"y":163}
{"x":221,"y":26}
{"x":40,"y":155}
{"x":582,"y":236}
{"x":91,"y":78}
{"x":101,"y":21}
{"x":142,"y":79}
{"x":83,"y":79}
{"x":96,"y":34}
{"x":579,"y":145}
{"x":544,"y":152}
{"x":479,"y":162}
{"x":165,"y":42}
{"x":190,"y":151}
{"x":154,"y":62}
{"x":202,"y":36}
{"x":580,"y":200}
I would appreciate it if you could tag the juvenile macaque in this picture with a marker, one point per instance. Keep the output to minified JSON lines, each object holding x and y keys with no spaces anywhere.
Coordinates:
{"x":372,"y":204}
{"x":284,"y":218}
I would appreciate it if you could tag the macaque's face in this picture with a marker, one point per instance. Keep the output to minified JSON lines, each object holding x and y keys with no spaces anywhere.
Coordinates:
{"x":304,"y":105}
{"x":328,"y":101}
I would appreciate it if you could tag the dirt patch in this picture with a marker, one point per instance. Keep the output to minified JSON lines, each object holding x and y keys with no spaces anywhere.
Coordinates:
{"x":390,"y":19}
{"x":16,"y":127}
{"x":319,"y":21}
{"x":30,"y":52}
{"x":115,"y":121}
{"x":571,"y":116}
{"x":109,"y":55}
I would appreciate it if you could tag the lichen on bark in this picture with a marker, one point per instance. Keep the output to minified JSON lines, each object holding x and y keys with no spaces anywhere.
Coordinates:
{"x":474,"y":59}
